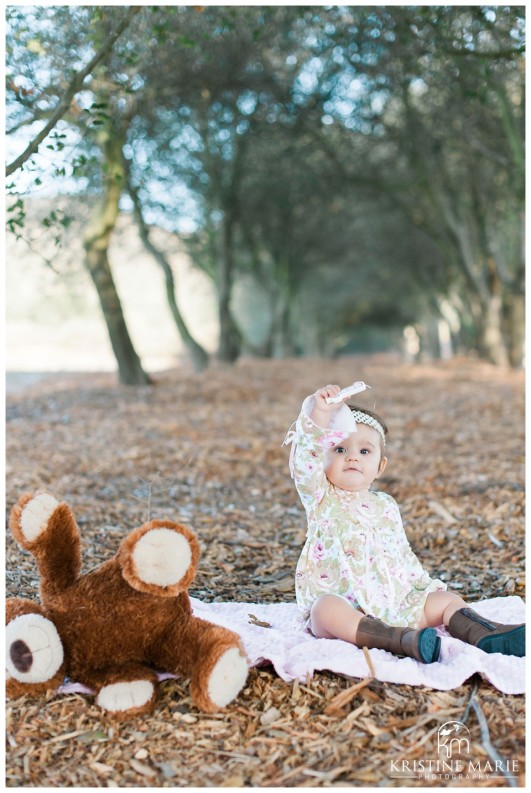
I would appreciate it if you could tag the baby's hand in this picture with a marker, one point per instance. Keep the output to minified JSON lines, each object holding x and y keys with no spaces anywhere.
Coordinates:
{"x":355,"y":388}
{"x":323,"y":394}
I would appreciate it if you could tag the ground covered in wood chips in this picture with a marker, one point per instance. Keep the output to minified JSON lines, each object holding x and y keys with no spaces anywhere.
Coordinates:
{"x":206,"y":450}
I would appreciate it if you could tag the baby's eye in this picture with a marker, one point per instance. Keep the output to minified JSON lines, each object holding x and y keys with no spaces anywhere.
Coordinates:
{"x":365,"y":451}
{"x":340,"y":449}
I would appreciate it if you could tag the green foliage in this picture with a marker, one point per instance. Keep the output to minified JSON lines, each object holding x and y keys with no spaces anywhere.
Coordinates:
{"x":15,"y":217}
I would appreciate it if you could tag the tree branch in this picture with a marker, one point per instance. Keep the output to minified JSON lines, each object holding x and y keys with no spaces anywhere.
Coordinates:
{"x":75,"y":85}
{"x":506,"y":54}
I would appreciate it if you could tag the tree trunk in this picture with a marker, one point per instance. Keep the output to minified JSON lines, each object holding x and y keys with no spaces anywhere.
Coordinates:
{"x":515,"y":313}
{"x":197,"y":353}
{"x":492,"y":342}
{"x":484,"y":281}
{"x":229,"y":335}
{"x":517,"y":330}
{"x":96,"y":244}
{"x":283,"y":346}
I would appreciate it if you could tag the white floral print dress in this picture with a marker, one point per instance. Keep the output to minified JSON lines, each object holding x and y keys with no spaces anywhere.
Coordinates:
{"x":356,"y":545}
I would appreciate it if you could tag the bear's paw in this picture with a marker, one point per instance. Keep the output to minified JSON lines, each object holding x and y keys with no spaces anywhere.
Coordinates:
{"x":228,"y":677}
{"x":126,"y":697}
{"x":36,"y":514}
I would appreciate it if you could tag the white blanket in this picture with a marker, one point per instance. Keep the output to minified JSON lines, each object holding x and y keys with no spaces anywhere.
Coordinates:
{"x":295,"y":653}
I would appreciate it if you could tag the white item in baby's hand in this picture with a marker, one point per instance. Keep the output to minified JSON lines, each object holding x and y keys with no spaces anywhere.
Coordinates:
{"x":355,"y":388}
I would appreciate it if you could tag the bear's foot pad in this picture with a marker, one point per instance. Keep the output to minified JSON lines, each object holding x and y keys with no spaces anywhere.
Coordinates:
{"x":122,"y":697}
{"x":162,"y":557}
{"x":228,"y":677}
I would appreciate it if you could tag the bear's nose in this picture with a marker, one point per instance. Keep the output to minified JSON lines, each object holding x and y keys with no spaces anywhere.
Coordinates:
{"x":21,"y":656}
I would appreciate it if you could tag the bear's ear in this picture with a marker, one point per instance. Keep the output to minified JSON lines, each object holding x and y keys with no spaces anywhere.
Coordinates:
{"x":160,"y":558}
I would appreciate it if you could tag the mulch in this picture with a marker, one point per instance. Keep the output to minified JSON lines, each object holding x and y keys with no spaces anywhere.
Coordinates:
{"x":205,"y":449}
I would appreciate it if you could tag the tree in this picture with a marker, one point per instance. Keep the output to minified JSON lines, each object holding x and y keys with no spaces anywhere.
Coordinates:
{"x":205,"y":114}
{"x":96,"y":240}
{"x":442,"y":105}
{"x":56,"y":25}
{"x":304,"y":140}
{"x":197,"y":354}
{"x":103,"y":128}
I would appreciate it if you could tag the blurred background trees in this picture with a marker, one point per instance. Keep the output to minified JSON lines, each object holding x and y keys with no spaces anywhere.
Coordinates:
{"x":361,"y":167}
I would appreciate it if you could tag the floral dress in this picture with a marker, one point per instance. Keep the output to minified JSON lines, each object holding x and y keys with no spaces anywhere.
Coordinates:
{"x":356,"y":546}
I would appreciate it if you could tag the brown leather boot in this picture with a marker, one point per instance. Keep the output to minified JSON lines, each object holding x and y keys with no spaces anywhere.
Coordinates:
{"x":423,"y":645}
{"x":491,"y":637}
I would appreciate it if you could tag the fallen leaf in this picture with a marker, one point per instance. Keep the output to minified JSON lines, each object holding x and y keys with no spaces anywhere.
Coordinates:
{"x":255,"y":621}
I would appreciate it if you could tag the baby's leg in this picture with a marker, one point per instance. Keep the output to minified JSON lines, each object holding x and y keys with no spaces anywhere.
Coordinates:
{"x":448,"y":609}
{"x":439,"y":608}
{"x":332,"y":617}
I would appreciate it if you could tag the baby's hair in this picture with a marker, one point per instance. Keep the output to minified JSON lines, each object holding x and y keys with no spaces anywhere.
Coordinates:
{"x":373,"y":415}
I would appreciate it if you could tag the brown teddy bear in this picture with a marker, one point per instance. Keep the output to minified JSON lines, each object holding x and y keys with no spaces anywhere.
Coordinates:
{"x":115,"y":626}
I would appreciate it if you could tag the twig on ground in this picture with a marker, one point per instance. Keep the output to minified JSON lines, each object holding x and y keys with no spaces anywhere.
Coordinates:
{"x":369,"y":662}
{"x":491,"y":751}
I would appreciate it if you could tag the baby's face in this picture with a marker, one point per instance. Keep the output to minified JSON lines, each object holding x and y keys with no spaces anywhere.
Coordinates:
{"x":354,"y":464}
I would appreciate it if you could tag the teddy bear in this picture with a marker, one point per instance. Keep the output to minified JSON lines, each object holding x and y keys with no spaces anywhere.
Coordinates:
{"x":116,"y":627}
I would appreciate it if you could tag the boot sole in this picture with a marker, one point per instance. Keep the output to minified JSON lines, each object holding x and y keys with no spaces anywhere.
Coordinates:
{"x":508,"y":643}
{"x":429,"y":646}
